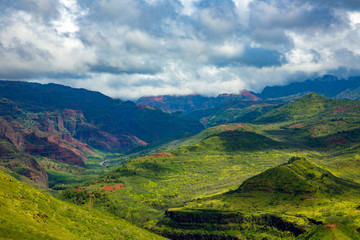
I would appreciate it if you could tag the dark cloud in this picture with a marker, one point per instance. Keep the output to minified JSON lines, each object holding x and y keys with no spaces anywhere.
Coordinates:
{"x":261,"y":57}
{"x":27,"y":51}
{"x":253,"y":57}
{"x":145,"y":69}
{"x":272,"y":38}
{"x":295,"y":16}
{"x":348,"y":4}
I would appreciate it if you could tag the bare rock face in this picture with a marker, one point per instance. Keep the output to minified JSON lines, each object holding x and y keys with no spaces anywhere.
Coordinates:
{"x":43,"y":133}
{"x":42,"y":147}
{"x":21,"y":163}
{"x":48,"y":144}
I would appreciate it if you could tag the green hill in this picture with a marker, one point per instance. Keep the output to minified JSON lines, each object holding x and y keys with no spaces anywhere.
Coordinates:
{"x":303,"y":108}
{"x":26,"y":213}
{"x":299,"y":177}
{"x":234,"y":141}
{"x":235,"y":112}
{"x":311,"y":106}
{"x":296,"y":200}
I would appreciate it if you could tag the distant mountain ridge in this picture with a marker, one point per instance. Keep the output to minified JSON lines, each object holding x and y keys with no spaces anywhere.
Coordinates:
{"x":114,"y":116}
{"x":328,"y":86}
{"x":189,"y":103}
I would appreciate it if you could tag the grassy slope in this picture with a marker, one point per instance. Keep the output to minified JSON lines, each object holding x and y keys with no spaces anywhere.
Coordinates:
{"x":26,"y":213}
{"x":297,"y":199}
{"x":238,"y":112}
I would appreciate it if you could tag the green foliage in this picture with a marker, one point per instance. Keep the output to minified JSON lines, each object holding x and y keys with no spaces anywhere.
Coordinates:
{"x":309,"y":107}
{"x":298,"y":199}
{"x":26,"y":213}
{"x":204,"y":173}
{"x":239,"y":111}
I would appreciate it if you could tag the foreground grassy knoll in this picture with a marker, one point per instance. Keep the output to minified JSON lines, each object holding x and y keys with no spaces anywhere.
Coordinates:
{"x":294,"y":200}
{"x":26,"y":213}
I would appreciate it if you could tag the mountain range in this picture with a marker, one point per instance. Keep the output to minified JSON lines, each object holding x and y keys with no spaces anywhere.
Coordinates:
{"x":328,"y":86}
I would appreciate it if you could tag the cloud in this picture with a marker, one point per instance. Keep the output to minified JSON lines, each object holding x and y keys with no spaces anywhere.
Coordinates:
{"x":131,"y":48}
{"x":348,"y":4}
{"x":44,"y":10}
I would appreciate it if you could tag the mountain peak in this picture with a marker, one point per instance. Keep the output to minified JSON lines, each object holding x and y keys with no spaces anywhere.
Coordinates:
{"x":313,"y":96}
{"x":299,"y":177}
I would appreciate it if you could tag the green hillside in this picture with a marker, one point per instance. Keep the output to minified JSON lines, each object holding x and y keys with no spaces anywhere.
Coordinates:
{"x":233,"y":141}
{"x":26,"y":213}
{"x":295,"y":200}
{"x":308,"y":107}
{"x":236,"y":111}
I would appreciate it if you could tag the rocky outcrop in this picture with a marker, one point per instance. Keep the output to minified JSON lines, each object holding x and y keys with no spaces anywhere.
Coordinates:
{"x":42,"y":147}
{"x":51,"y":144}
{"x":106,"y":141}
{"x":21,"y":163}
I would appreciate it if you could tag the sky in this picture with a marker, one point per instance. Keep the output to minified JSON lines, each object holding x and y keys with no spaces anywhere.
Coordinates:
{"x":132,"y":48}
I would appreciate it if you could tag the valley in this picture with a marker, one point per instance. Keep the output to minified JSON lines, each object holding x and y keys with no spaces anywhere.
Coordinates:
{"x":246,"y":166}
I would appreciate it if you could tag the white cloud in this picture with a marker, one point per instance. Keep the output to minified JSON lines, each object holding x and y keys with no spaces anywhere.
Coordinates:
{"x":354,"y":18}
{"x":218,"y":24}
{"x":35,"y":49}
{"x":188,"y":7}
{"x":141,"y":40}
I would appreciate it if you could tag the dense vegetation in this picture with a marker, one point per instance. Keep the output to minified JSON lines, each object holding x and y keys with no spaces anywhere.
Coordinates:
{"x":230,"y":181}
{"x":26,"y":213}
{"x":294,"y":200}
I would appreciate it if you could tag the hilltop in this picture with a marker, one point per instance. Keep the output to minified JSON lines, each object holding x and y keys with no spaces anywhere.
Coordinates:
{"x":305,"y":108}
{"x":300,"y":178}
{"x":298,"y":199}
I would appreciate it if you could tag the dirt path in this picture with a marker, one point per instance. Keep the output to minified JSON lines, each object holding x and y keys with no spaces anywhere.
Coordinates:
{"x":91,"y":201}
